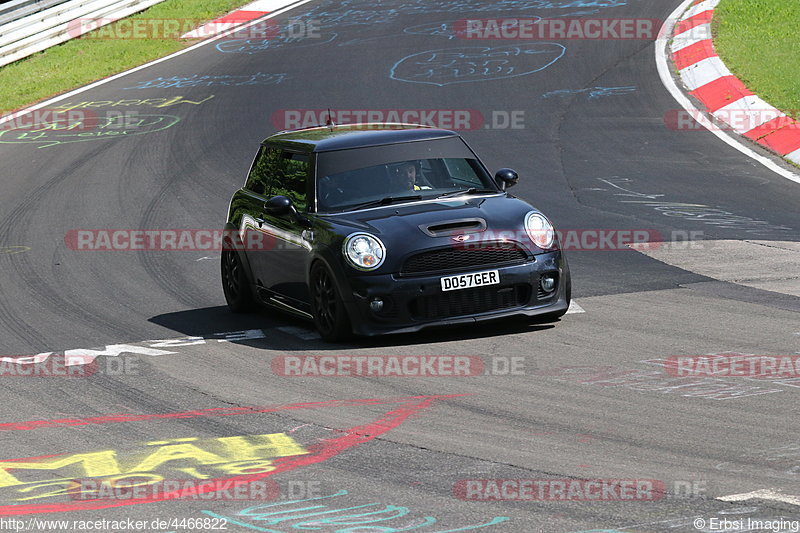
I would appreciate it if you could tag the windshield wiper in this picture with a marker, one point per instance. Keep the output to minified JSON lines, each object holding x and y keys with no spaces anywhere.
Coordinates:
{"x":471,"y":190}
{"x":385,"y":201}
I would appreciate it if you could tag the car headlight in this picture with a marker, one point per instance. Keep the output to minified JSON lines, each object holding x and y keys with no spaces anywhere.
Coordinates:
{"x":540,"y":230}
{"x":364,"y":251}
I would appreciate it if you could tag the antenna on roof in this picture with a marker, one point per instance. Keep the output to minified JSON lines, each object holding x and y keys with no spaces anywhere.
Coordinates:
{"x":329,"y":122}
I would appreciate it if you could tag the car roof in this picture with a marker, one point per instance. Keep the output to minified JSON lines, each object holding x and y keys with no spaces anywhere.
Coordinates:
{"x":344,"y":136}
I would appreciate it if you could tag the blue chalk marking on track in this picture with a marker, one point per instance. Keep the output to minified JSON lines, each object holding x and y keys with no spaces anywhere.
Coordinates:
{"x":254,"y":46}
{"x":356,"y":12}
{"x":445,"y":28}
{"x":593,"y":93}
{"x":259,"y":78}
{"x":483,"y":63}
{"x":277,"y":514}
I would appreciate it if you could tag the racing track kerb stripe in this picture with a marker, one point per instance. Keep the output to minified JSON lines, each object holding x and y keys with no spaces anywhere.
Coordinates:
{"x":722,"y":91}
{"x":662,"y":63}
{"x":279,"y":11}
{"x":246,"y":13}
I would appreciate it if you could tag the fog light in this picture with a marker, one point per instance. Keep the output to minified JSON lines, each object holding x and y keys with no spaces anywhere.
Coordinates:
{"x":376,"y":305}
{"x":548,"y":283}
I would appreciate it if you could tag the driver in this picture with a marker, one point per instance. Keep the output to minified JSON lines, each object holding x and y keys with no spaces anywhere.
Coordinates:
{"x":407,"y":176}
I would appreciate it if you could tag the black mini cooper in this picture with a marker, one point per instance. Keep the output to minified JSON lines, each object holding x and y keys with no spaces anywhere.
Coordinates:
{"x":387,"y":228}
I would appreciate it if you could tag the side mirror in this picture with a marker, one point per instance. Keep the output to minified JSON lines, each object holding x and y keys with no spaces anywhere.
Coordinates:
{"x":505,"y":178}
{"x":282,"y":206}
{"x":279,"y":206}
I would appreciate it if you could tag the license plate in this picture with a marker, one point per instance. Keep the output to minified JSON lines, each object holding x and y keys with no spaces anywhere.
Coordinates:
{"x":467,"y":281}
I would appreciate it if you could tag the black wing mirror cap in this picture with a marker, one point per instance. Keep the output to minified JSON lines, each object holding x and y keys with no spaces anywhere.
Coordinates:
{"x":505,"y":178}
{"x":279,"y":206}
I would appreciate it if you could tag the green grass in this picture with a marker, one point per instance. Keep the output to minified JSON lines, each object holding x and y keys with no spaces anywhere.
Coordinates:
{"x":759,"y":41}
{"x":81,"y":61}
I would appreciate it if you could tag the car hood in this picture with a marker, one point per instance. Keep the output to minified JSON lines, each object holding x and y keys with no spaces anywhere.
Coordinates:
{"x":402,"y":228}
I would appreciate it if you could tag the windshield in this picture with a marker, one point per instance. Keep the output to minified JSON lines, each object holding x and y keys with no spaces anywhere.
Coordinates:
{"x":405,"y":180}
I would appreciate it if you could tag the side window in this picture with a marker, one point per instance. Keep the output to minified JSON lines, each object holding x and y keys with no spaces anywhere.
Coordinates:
{"x":290,"y":178}
{"x":258,"y":180}
{"x":277,"y":172}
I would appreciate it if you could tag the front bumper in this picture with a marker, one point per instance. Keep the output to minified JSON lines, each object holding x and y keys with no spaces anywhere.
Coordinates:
{"x":414,"y":303}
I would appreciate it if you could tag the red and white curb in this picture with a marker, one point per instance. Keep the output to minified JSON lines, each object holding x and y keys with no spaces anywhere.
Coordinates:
{"x":722,"y":93}
{"x":246,"y":13}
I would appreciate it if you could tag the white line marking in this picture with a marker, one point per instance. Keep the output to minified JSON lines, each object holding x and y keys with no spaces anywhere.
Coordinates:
{"x":23,"y":111}
{"x":763,"y":494}
{"x":662,"y":63}
{"x":574,"y":308}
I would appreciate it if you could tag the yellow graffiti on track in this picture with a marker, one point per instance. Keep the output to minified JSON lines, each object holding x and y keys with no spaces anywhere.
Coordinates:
{"x":133,"y":102}
{"x":113,"y":125}
{"x":199,"y":458}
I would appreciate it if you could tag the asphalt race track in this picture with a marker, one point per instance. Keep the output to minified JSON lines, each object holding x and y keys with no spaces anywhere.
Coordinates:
{"x":587,"y":398}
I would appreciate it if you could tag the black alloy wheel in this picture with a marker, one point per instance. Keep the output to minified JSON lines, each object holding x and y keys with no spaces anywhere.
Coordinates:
{"x":234,"y":283}
{"x":330,"y":315}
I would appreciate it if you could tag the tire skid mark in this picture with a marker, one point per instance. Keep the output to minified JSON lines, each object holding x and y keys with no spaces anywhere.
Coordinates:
{"x":157,"y":266}
{"x":16,"y":224}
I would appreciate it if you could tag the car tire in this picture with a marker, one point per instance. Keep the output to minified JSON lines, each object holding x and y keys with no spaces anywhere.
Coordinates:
{"x":330,"y":315}
{"x":235,"y":284}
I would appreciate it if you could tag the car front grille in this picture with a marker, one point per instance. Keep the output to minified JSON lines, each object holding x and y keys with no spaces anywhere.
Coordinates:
{"x":469,"y":301}
{"x":458,"y":258}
